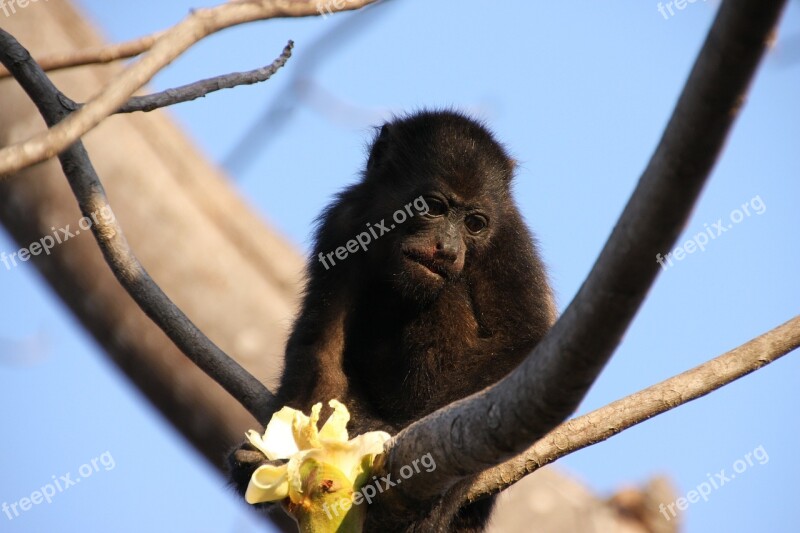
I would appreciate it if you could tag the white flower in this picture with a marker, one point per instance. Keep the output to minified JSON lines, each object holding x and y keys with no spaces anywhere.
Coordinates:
{"x":292,"y":435}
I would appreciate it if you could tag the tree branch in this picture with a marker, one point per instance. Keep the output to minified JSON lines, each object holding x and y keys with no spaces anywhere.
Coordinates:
{"x":93,"y":202}
{"x":502,"y":421}
{"x":195,"y":90}
{"x":604,"y":423}
{"x":94,"y":55}
{"x":171,"y":44}
{"x":198,"y":89}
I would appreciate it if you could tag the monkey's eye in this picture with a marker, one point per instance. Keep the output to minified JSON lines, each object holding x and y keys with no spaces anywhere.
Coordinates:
{"x":436,"y":207}
{"x":476,"y":223}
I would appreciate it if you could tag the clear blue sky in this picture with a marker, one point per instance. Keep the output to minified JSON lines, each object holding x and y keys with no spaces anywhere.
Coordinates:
{"x":580,"y":93}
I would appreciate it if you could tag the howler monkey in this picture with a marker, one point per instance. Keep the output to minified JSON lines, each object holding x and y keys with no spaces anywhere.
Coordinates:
{"x":424,"y":286}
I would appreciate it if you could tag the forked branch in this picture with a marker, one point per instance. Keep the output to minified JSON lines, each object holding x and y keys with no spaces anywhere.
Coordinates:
{"x":604,"y":423}
{"x":496,"y":424}
{"x":170,"y":45}
{"x":88,"y":190}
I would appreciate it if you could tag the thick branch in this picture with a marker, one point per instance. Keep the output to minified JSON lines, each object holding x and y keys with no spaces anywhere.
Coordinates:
{"x":618,"y":416}
{"x":126,"y":267}
{"x":500,"y":422}
{"x":170,"y":45}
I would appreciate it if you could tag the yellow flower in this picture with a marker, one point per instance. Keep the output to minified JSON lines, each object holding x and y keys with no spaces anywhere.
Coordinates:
{"x":292,"y":435}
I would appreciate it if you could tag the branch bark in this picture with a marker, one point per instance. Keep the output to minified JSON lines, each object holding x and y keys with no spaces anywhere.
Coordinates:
{"x":500,"y":422}
{"x":170,"y":45}
{"x":604,"y":423}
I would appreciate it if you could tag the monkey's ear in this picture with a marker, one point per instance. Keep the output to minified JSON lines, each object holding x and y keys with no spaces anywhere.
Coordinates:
{"x":379,"y":149}
{"x":511,"y":168}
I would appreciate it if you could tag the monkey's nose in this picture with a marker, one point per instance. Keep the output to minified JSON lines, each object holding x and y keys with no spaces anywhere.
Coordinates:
{"x":446,"y":253}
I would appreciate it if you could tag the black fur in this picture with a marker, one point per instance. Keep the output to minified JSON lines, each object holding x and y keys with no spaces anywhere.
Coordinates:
{"x":432,"y":310}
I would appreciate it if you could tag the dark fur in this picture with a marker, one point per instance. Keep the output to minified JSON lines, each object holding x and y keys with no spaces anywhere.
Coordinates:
{"x":430,"y":312}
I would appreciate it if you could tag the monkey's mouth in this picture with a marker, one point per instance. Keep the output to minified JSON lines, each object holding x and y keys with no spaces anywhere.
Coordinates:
{"x":430,"y":267}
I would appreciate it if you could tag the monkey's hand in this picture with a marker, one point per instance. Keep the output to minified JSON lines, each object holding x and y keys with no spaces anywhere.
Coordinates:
{"x":242,"y":462}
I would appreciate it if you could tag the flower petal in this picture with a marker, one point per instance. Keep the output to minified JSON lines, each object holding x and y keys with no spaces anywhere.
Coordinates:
{"x":349,"y":457}
{"x":335,"y":428}
{"x":268,"y":484}
{"x":304,"y":428}
{"x":311,"y":453}
{"x":278,"y":441}
{"x":294,"y":477}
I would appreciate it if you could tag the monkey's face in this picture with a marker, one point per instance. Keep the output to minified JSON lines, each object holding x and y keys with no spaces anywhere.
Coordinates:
{"x":455,"y":167}
{"x":431,"y":249}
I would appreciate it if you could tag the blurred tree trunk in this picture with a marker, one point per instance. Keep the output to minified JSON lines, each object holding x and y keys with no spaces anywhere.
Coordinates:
{"x":235,"y":277}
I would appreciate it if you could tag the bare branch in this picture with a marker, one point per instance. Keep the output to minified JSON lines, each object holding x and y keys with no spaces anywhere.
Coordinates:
{"x":94,"y":55}
{"x":198,"y":89}
{"x":270,"y":121}
{"x":618,"y":416}
{"x":92,"y":201}
{"x":171,"y":44}
{"x":502,"y":421}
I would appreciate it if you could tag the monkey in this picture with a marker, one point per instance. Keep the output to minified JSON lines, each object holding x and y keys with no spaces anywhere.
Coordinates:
{"x":424,"y":285}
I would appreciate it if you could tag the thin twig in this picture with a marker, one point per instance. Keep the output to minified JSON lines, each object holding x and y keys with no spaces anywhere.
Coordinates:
{"x":270,"y":122}
{"x":495,"y":425}
{"x":198,"y":89}
{"x":604,"y":423}
{"x":199,"y":24}
{"x":131,"y":274}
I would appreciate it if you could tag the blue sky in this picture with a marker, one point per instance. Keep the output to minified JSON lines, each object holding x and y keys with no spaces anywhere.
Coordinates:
{"x":579,"y":93}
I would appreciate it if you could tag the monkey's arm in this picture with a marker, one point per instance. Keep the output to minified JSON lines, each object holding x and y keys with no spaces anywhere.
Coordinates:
{"x":314,"y":358}
{"x":313,"y":368}
{"x":312,"y":373}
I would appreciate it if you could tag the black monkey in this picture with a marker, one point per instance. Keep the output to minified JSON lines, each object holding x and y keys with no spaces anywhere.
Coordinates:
{"x":443,"y":296}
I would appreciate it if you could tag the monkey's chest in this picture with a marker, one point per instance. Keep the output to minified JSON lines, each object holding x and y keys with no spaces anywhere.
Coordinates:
{"x":409,"y":366}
